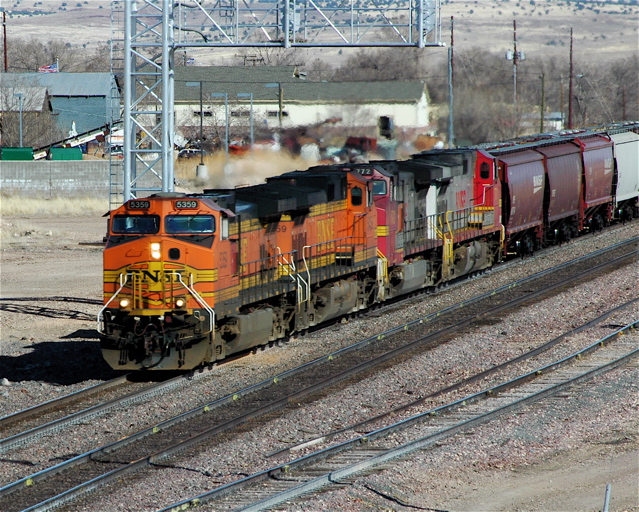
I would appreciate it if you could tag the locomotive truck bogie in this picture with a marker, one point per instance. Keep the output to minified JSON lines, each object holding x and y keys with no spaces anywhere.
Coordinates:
{"x":472,"y":257}
{"x":247,"y":330}
{"x":334,"y":300}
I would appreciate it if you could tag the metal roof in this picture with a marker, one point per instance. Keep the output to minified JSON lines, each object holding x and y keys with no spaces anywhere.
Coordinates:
{"x":234,"y":80}
{"x":83,"y":98}
{"x":63,"y":84}
{"x":239,"y":74}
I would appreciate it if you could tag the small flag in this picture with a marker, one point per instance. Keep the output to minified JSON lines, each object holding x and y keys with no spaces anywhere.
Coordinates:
{"x":51,"y":68}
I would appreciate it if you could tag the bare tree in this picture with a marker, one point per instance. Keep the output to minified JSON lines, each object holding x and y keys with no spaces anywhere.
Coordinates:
{"x":99,"y":61}
{"x":27,"y":55}
{"x":382,"y":65}
{"x":34,"y":110}
{"x":270,"y":56}
{"x":319,"y":70}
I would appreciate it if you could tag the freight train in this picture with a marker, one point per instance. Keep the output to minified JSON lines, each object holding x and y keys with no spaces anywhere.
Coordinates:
{"x":191,"y":278}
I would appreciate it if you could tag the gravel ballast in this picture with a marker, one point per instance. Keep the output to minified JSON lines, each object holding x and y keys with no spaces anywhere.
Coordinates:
{"x":45,"y":351}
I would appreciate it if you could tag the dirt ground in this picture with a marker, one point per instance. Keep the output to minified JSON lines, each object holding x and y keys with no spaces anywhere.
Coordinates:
{"x":50,"y":295}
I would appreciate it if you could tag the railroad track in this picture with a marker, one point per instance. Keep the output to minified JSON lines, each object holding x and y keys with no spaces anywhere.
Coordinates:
{"x":82,"y":406}
{"x":340,"y":464}
{"x":84,"y":473}
{"x":28,"y":425}
{"x":9,"y":422}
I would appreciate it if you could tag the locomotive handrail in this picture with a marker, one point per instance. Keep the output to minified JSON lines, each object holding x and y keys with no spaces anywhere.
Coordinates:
{"x":273,"y":259}
{"x":122,"y":284}
{"x":308,"y":272}
{"x":191,"y":290}
{"x":291,"y":265}
{"x":298,"y":279}
{"x":483,"y":198}
{"x":334,"y":241}
{"x":197,"y":297}
{"x":382,"y":275}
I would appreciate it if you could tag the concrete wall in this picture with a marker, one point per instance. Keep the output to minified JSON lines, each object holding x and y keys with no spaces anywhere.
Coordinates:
{"x":51,"y":178}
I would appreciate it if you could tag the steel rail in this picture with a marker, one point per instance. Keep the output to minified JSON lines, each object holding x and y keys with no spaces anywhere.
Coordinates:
{"x":91,"y":412}
{"x":372,"y":457}
{"x":470,"y":380}
{"x":60,"y":401}
{"x":181,"y":446}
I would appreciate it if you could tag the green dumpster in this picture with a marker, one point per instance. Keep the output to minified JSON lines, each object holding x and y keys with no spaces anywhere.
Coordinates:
{"x":65,"y":154}
{"x":16,"y":153}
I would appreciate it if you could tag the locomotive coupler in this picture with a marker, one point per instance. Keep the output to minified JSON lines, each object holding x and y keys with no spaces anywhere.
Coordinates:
{"x":150,"y":342}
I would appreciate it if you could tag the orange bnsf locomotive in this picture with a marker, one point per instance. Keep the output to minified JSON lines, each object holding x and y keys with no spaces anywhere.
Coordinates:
{"x":192,"y":279}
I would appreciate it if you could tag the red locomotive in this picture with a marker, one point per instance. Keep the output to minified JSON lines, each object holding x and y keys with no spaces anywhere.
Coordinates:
{"x":191,"y":279}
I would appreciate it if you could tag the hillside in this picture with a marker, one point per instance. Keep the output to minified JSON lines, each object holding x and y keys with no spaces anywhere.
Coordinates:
{"x":602,"y":29}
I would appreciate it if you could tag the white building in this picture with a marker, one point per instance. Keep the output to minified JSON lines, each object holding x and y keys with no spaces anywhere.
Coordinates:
{"x":280,"y":98}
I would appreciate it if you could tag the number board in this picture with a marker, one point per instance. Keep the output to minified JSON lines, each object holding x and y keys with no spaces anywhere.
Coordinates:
{"x":186,"y":204}
{"x":139,"y":204}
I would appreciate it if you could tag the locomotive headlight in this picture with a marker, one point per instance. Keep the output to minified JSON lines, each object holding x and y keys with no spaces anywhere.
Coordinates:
{"x":155,"y":250}
{"x":179,"y":303}
{"x":124,"y":303}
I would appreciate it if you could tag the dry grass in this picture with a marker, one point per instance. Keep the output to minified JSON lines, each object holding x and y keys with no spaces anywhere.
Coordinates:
{"x":23,"y":206}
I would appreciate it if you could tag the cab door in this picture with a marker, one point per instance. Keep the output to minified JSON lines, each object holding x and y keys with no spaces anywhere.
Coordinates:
{"x":362,"y":219}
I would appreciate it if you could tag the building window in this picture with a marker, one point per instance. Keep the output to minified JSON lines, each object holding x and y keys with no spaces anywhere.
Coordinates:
{"x":207,"y":113}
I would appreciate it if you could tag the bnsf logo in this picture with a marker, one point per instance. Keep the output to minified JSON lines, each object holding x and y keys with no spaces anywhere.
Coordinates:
{"x":155,"y":275}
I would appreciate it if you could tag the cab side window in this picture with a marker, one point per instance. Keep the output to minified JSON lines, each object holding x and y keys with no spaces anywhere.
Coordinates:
{"x":356,"y":196}
{"x":484,"y":171}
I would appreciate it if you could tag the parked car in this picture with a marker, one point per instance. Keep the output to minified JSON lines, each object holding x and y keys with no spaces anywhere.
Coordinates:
{"x":191,"y":153}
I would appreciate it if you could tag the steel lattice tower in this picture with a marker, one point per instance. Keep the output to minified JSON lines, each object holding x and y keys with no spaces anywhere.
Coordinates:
{"x":151,"y":28}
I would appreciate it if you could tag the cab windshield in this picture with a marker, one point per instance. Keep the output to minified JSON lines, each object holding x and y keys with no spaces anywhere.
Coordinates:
{"x":136,"y":224}
{"x":189,"y":224}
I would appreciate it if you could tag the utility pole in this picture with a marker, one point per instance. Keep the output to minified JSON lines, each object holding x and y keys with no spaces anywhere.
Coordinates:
{"x":515,"y":65}
{"x":451,"y":129}
{"x":543,"y":103}
{"x":4,"y":35}
{"x":562,"y":101}
{"x":280,"y":100}
{"x":515,"y":56}
{"x":570,"y":90}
